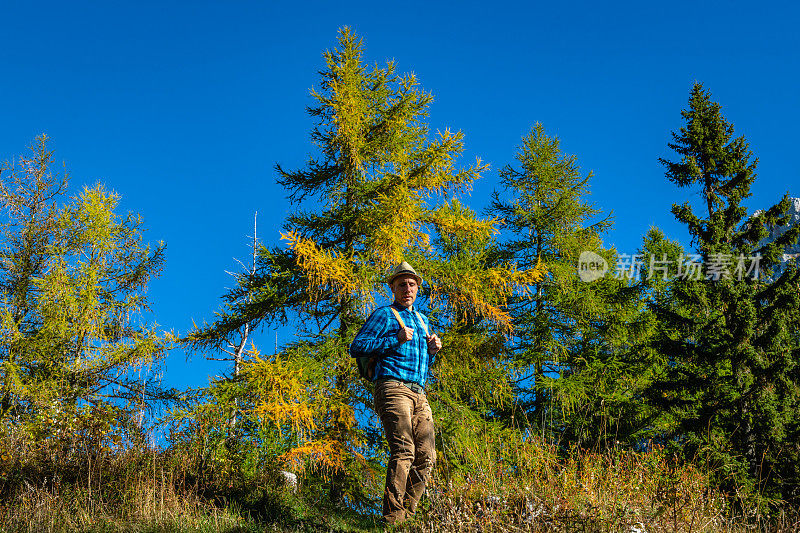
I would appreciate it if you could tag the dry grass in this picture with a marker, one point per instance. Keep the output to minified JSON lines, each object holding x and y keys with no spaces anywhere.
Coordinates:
{"x":57,"y":485}
{"x":501,"y":485}
{"x":588,"y":492}
{"x":151,"y":507}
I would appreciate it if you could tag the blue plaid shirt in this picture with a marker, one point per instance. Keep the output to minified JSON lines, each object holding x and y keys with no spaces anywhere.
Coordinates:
{"x":378,"y":336}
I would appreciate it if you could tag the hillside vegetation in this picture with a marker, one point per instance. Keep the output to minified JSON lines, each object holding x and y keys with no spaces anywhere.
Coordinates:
{"x":578,"y":388}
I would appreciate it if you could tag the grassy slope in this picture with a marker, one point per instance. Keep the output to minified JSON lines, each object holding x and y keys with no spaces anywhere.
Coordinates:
{"x":149,"y":491}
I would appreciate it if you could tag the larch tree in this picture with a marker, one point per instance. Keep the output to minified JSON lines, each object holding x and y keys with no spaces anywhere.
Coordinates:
{"x":374,"y":194}
{"x":75,"y":357}
{"x":569,"y":356}
{"x":729,"y":387}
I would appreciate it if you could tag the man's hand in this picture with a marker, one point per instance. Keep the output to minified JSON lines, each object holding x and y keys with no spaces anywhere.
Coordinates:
{"x":434,"y":344}
{"x":405,"y":335}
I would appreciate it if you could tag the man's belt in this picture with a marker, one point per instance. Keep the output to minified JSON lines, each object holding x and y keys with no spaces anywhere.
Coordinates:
{"x":411,"y":385}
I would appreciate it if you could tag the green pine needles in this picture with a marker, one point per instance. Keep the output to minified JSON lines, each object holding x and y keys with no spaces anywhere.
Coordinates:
{"x":728,"y":387}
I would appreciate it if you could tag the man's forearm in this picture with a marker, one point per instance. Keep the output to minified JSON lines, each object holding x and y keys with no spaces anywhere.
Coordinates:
{"x":372,"y":346}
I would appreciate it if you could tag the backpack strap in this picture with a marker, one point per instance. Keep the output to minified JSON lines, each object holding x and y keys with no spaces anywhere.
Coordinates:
{"x":397,"y":316}
{"x":402,"y":324}
{"x":422,"y":321}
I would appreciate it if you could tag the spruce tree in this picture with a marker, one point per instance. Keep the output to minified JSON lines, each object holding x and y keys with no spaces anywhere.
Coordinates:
{"x":729,"y":387}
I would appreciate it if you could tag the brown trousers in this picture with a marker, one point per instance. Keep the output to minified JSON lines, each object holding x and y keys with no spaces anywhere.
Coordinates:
{"x":408,"y":425}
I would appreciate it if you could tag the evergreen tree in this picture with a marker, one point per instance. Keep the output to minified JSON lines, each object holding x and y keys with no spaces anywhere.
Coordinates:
{"x":728,"y":387}
{"x":571,"y":336}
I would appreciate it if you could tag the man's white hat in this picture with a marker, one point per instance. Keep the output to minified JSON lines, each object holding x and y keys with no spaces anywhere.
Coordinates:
{"x":404,"y":269}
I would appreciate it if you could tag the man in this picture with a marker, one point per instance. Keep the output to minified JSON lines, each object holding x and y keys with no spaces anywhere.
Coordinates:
{"x":398,"y":336}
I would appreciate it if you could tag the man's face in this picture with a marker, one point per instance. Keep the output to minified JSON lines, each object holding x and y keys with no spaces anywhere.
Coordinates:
{"x":405,"y":290}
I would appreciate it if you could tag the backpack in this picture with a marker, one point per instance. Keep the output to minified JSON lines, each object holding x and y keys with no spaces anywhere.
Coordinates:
{"x":366,"y":364}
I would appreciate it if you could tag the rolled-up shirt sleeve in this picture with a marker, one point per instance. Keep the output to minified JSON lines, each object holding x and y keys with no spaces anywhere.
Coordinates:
{"x":376,"y":336}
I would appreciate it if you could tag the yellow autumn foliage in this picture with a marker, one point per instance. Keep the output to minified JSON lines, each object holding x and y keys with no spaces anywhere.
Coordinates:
{"x":469,"y":291}
{"x":439,"y":175}
{"x":453,"y":220}
{"x":324,"y":269}
{"x":342,"y":416}
{"x":467,"y":226}
{"x":281,"y":395}
{"x":324,"y":453}
{"x":350,"y":118}
{"x":396,"y":223}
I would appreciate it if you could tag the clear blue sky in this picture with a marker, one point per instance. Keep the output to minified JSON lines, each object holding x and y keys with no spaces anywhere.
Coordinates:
{"x":184,"y":107}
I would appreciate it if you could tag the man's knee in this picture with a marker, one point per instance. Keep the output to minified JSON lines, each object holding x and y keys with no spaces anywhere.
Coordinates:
{"x":426,"y":457}
{"x":425,"y":443}
{"x":401,"y":447}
